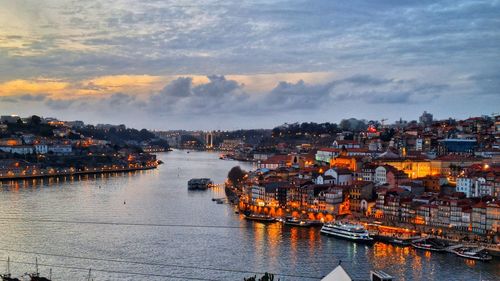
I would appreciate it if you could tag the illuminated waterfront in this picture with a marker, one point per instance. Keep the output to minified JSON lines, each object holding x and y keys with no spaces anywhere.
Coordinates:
{"x":160,"y":197}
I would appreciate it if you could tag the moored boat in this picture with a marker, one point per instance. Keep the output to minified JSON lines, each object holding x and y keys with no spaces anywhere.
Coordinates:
{"x":7,"y":276}
{"x":315,"y":222}
{"x":473,"y":254}
{"x":395,"y":240}
{"x":199,"y":184}
{"x":36,"y":275}
{"x":428,"y":245}
{"x":260,"y":218}
{"x":348,"y":231}
{"x":297,"y":222}
{"x":400,"y":241}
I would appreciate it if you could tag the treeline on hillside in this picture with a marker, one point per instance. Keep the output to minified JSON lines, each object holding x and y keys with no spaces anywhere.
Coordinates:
{"x":301,"y":130}
{"x":33,"y":126}
{"x":120,"y":136}
{"x":312,"y":129}
{"x":252,"y":136}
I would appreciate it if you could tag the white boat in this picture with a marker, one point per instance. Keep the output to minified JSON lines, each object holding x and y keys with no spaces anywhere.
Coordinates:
{"x":474,"y":254}
{"x":353,"y":232}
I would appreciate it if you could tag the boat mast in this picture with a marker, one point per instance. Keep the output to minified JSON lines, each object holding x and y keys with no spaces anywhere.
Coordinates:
{"x":8,"y":266}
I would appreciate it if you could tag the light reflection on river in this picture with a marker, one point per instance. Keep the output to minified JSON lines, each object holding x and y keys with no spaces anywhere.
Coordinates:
{"x":161,"y":197}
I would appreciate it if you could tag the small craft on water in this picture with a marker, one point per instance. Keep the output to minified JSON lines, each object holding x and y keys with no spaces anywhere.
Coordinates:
{"x":7,"y":276}
{"x":348,"y":231}
{"x":429,"y":245}
{"x":260,"y":218}
{"x":297,"y":222}
{"x":199,"y":184}
{"x":473,"y":253}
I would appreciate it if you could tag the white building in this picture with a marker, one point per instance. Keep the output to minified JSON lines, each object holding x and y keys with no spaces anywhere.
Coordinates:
{"x":346,"y":144}
{"x":483,"y":187}
{"x":60,"y":149}
{"x":475,"y":186}
{"x":381,"y":175}
{"x":326,"y":154}
{"x":41,"y":148}
{"x":19,"y":149}
{"x":419,"y":144}
{"x":340,"y":176}
{"x":466,"y":186}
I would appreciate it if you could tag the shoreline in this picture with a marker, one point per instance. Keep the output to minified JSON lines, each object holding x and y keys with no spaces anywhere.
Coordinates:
{"x":494,"y":250}
{"x":76,"y":173}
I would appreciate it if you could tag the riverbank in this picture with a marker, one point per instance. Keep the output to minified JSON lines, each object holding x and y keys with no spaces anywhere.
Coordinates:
{"x":385,"y":232}
{"x":68,"y":172}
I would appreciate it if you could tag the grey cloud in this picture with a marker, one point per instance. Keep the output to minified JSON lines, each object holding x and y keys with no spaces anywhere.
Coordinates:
{"x":58,"y":104}
{"x":265,"y":37}
{"x":181,"y":96}
{"x":366,"y":80}
{"x":486,"y":83}
{"x":33,"y":97}
{"x":119,"y":99}
{"x":409,"y":53}
{"x":181,"y":87}
{"x":296,"y":96}
{"x":8,"y":99}
{"x":220,"y":95}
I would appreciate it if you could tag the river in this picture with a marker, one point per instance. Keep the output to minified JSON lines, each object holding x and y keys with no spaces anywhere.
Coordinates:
{"x":148,"y":223}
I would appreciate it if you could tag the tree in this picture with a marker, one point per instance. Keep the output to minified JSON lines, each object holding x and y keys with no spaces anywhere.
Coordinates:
{"x":387,"y":135}
{"x":36,"y":120}
{"x":236,"y":176}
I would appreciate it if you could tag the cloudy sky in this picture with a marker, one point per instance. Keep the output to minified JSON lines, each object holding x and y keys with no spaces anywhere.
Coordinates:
{"x":208,"y":64}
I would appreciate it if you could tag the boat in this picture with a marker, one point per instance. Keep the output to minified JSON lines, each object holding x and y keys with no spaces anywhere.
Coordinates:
{"x":395,"y":240}
{"x":297,"y":222}
{"x":260,"y":218}
{"x":348,"y":231}
{"x":428,"y":245}
{"x":7,"y":276}
{"x":400,"y":241}
{"x":473,"y":253}
{"x":315,"y":222}
{"x":199,"y":184}
{"x":36,"y":276}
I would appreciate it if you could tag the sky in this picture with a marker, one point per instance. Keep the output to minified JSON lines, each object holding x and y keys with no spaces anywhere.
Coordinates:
{"x":216,"y":65}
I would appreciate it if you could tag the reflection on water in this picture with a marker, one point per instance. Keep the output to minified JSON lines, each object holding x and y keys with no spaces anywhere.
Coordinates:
{"x":161,"y":197}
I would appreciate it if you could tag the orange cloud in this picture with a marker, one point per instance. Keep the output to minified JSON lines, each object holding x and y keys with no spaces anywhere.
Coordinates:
{"x":38,"y":86}
{"x":145,"y":84}
{"x":121,"y":83}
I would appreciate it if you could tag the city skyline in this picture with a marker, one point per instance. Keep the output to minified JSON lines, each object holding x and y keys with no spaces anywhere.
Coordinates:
{"x":256,"y":64}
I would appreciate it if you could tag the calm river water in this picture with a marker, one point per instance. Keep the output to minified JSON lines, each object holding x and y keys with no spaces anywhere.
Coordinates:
{"x":149,"y":223}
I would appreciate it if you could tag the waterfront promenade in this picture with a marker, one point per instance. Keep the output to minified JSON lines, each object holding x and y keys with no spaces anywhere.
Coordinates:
{"x":72,"y":172}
